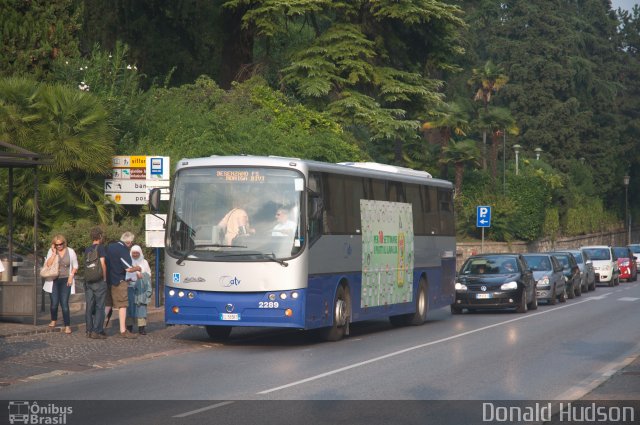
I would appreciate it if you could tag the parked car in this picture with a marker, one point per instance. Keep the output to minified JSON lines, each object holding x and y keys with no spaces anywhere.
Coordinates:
{"x":604,"y":264}
{"x":626,"y":263}
{"x":586,"y":269}
{"x":571,"y":273}
{"x":635,"y":248}
{"x":490,"y":281}
{"x":548,"y":273}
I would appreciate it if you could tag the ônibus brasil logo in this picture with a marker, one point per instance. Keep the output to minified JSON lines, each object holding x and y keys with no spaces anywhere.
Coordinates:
{"x":25,"y":412}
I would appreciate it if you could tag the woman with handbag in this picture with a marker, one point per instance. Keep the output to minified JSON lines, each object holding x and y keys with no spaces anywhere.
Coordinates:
{"x":60,"y":286}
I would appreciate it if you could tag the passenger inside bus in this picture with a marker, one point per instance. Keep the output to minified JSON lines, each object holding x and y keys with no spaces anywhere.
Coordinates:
{"x":284,"y":225}
{"x":235,"y":223}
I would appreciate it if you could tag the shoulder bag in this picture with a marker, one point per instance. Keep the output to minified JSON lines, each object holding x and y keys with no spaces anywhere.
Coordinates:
{"x":50,"y":272}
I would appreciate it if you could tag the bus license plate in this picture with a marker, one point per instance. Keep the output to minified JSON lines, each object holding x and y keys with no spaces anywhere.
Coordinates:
{"x":229,"y":316}
{"x":483,"y":296}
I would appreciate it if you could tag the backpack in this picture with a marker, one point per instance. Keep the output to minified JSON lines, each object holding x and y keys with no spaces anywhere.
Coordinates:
{"x":92,"y":266}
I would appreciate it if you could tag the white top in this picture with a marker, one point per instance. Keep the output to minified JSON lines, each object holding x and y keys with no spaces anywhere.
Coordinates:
{"x":288,"y":228}
{"x":73,"y":264}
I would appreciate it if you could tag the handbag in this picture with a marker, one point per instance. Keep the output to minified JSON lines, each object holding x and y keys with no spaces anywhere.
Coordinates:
{"x":50,"y":272}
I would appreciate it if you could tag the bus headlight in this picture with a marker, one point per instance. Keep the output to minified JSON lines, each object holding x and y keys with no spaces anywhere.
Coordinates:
{"x":191,"y":295}
{"x":272,"y":297}
{"x":175,"y":309}
{"x":295,"y":295}
{"x":181,"y":294}
{"x":172,"y":292}
{"x":283,"y":296}
{"x":288,"y":312}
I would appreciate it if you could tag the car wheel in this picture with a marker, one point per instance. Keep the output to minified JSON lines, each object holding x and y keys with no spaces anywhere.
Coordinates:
{"x":341,"y":313}
{"x":578,"y":290}
{"x":617,"y":282}
{"x":635,"y":277}
{"x":533,"y":305}
{"x":455,"y":309}
{"x":571,"y":293}
{"x":563,"y":296}
{"x":522,"y":304}
{"x":554,"y":297}
{"x":218,"y":333}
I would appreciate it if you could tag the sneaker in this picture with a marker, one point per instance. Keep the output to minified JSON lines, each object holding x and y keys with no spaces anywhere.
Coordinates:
{"x":95,"y":335}
{"x":127,"y":334}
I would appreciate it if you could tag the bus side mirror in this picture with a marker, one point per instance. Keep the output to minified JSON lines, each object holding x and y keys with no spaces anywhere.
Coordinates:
{"x":154,"y":200}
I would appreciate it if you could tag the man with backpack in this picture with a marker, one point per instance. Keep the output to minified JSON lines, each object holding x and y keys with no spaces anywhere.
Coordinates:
{"x":95,"y":278}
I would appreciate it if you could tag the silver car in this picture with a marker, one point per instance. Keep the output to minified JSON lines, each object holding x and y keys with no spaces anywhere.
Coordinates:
{"x":586,"y":269}
{"x":547,"y":271}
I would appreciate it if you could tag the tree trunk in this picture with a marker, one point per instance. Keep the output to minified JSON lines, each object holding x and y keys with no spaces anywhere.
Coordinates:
{"x":459,"y":167}
{"x":484,"y":149}
{"x":494,"y":156}
{"x":238,"y":48}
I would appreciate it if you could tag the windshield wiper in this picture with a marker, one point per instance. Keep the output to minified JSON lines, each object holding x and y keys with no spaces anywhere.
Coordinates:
{"x":272,"y":257}
{"x":214,"y":245}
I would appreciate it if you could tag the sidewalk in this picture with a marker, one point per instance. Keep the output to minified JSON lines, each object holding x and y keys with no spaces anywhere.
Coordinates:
{"x":24,"y":325}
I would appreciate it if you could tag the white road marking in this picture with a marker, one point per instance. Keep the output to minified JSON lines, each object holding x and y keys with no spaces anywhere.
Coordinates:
{"x":416,"y":347}
{"x":628,"y":299}
{"x":204,"y":409}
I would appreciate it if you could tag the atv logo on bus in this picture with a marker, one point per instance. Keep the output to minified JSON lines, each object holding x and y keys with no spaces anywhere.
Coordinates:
{"x":228,"y":281}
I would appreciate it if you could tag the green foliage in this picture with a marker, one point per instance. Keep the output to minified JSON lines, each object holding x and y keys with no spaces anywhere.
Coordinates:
{"x":71,"y":126}
{"x":551,"y":228}
{"x":35,"y":33}
{"x":201,"y":120}
{"x":589,"y":216}
{"x":368,"y":62}
{"x":531,"y":194}
{"x":114,"y":80}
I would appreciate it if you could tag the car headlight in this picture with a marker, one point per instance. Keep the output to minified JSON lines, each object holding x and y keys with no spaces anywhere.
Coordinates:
{"x":509,"y":286}
{"x":544,"y":281}
{"x":460,"y":287}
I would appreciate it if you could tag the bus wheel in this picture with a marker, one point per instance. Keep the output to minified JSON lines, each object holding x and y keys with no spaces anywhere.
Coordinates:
{"x":218,"y":333}
{"x":420,"y":315}
{"x":341,"y":316}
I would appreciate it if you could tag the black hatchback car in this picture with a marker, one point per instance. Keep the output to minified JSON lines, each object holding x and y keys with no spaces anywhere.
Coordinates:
{"x":490,"y":281}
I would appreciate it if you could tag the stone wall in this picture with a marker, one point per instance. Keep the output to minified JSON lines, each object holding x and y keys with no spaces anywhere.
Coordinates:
{"x":619,"y":238}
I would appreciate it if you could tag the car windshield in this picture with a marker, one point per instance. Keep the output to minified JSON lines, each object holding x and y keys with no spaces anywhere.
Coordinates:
{"x":621,"y":252}
{"x":635,"y":249}
{"x":598,"y":253}
{"x":538,"y":262}
{"x":498,"y":264}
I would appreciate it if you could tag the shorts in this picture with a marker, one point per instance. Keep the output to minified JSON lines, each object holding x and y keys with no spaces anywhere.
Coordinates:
{"x":119,"y":295}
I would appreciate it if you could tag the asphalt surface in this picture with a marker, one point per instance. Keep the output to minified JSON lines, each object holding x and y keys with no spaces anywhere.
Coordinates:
{"x":30,"y":352}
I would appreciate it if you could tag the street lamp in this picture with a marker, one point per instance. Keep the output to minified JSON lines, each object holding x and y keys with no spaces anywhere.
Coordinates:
{"x":626,"y":208}
{"x":517,"y":149}
{"x":538,"y":151}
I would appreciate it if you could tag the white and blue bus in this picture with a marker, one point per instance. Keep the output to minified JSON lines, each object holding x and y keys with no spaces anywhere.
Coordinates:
{"x":362,"y":241}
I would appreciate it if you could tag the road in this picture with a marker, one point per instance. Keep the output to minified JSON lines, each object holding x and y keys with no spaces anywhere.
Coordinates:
{"x":553,"y":353}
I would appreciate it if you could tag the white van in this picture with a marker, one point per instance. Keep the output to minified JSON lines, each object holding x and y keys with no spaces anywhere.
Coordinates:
{"x":605,"y":264}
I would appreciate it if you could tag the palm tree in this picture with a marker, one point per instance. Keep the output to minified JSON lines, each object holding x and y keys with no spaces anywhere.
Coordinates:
{"x":450,"y":119}
{"x":497,"y":120}
{"x":460,"y":154}
{"x":72,"y":126}
{"x":488,"y":79}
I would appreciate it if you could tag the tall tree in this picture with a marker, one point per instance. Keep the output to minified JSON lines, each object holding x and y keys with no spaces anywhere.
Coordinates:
{"x":367,"y":62}
{"x":35,"y":33}
{"x":460,"y":154}
{"x":487,"y":80}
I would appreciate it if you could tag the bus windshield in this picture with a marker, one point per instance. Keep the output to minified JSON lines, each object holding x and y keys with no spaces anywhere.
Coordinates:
{"x":236,"y":214}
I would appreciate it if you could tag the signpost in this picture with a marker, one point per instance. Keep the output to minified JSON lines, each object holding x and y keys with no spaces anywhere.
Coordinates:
{"x":132,"y":179}
{"x":134,"y":176}
{"x":483,"y":219}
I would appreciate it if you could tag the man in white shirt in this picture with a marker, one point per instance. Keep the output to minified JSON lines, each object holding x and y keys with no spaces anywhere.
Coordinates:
{"x":284,"y":226}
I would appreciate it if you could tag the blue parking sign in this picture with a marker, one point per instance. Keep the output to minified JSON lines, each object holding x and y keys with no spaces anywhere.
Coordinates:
{"x":483,"y":216}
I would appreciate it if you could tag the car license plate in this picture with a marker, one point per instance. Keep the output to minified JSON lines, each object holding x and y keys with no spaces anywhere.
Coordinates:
{"x":229,"y":316}
{"x":483,"y":296}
